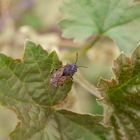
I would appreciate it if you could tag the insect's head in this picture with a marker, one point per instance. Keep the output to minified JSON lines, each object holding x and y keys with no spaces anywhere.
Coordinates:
{"x":70,"y":69}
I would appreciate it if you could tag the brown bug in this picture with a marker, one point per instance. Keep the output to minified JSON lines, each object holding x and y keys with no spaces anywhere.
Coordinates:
{"x":64,"y":73}
{"x":57,"y":78}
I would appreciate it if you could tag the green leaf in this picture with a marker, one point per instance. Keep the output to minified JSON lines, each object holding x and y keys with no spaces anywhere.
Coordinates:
{"x":47,"y":124}
{"x":118,"y":20}
{"x":25,"y":88}
{"x":87,"y":126}
{"x":122,"y":97}
{"x":28,"y":80}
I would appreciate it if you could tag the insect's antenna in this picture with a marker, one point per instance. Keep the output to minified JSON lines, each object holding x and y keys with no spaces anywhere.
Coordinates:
{"x":76,"y":58}
{"x":82,"y":66}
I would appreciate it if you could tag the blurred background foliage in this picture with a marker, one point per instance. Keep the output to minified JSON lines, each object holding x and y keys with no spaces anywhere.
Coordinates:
{"x":37,"y":21}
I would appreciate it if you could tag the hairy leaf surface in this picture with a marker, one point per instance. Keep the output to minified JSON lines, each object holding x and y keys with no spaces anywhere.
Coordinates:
{"x":122,"y":97}
{"x":117,"y":19}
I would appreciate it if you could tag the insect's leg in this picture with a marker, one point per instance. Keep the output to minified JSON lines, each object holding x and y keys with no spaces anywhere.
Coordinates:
{"x":71,"y":77}
{"x":53,"y":70}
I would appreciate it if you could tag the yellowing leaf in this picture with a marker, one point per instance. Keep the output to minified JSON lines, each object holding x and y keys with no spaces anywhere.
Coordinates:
{"x":122,"y":97}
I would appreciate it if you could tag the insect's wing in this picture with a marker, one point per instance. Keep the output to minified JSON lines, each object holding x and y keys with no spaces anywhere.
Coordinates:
{"x":56,"y":76}
{"x":58,"y":73}
{"x":62,"y":80}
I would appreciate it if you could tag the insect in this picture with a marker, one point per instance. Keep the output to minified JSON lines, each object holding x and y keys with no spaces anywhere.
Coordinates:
{"x":57,"y":78}
{"x":64,"y":73}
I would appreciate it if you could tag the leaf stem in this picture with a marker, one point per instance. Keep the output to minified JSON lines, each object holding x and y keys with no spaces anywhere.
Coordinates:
{"x":79,"y":79}
{"x":89,"y":45}
{"x":84,"y":49}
